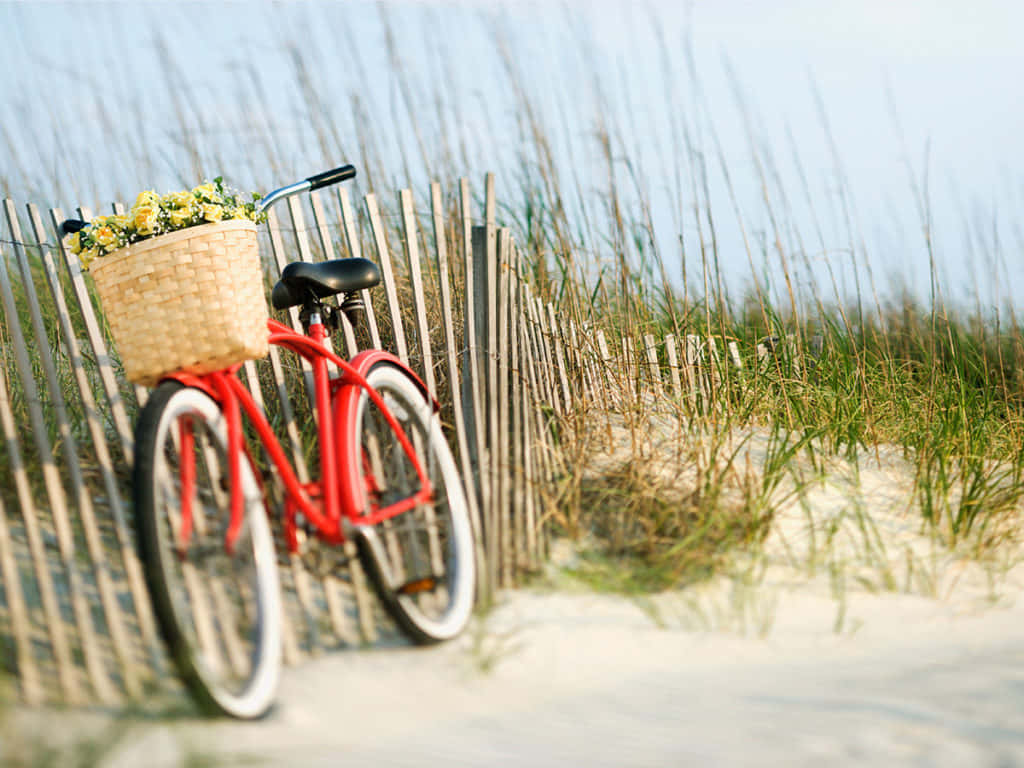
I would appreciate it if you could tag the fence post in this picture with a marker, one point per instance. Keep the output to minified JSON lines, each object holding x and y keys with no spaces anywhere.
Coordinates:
{"x":467,"y":450}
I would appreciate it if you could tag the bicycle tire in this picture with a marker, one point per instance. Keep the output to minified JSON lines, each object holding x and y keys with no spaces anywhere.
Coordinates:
{"x":432,"y":545}
{"x":229,"y":657}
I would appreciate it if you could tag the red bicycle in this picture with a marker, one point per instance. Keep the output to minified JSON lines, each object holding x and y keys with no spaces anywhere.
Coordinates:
{"x":387,"y":481}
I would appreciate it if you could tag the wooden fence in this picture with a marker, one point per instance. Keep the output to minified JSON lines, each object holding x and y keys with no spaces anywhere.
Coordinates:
{"x":76,"y":625}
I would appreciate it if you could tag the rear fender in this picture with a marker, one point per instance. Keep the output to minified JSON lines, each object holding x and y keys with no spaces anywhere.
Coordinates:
{"x":364,"y":361}
{"x":346,"y":405}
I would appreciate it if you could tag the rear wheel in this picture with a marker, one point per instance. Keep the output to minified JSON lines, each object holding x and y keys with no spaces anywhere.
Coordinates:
{"x":428,"y":551}
{"x":219,"y":612}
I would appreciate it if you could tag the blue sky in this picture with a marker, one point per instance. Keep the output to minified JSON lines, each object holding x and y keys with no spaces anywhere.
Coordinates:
{"x":944,"y":71}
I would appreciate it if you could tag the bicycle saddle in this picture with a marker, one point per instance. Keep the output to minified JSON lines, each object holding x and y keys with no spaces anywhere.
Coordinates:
{"x":302,"y":280}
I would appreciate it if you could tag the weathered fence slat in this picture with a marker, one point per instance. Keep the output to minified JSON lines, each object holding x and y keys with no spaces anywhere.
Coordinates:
{"x":715,"y":365}
{"x":563,"y":376}
{"x":530,"y":451}
{"x":609,"y":390}
{"x":577,"y":372}
{"x":410,"y":243}
{"x":673,"y":365}
{"x":356,"y":251}
{"x":472,"y":403}
{"x":306,"y":252}
{"x":327,"y":248}
{"x":544,"y":358}
{"x":380,"y":242}
{"x":141,"y":392}
{"x":485,"y":290}
{"x":280,"y":256}
{"x":696,"y":380}
{"x":14,"y":600}
{"x":654,"y":368}
{"x":476,"y":298}
{"x":520,"y":555}
{"x":734,"y":354}
{"x":541,"y":386}
{"x":504,"y":436}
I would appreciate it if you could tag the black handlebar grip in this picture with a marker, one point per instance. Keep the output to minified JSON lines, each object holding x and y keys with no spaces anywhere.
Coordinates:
{"x":327,"y":178}
{"x":72,"y":225}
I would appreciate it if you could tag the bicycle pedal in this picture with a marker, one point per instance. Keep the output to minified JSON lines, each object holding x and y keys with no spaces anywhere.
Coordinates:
{"x":416,"y":586}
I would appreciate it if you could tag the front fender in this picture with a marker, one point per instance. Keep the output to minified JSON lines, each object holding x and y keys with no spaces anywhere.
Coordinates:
{"x":191,"y":380}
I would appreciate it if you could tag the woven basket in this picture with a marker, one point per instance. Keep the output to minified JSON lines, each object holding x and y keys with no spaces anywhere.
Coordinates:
{"x":190,"y":300}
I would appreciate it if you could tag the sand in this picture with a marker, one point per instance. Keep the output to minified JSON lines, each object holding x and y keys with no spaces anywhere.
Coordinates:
{"x":852,"y":636}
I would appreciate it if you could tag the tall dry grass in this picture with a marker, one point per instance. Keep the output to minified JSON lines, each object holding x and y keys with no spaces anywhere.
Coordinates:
{"x":859,"y":362}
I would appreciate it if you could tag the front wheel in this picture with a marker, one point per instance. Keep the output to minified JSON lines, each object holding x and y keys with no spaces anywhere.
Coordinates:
{"x":428,"y":551}
{"x":219,"y":612}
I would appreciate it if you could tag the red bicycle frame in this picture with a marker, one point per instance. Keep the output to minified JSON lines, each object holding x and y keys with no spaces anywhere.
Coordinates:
{"x":336,"y":494}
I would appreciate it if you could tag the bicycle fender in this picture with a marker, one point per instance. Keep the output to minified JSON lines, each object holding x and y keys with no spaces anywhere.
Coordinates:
{"x":365,"y":360}
{"x":346,"y":402}
{"x":191,"y":380}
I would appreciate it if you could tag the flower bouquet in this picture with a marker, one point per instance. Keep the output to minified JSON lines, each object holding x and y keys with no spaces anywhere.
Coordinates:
{"x":154,"y":215}
{"x":180,"y":281}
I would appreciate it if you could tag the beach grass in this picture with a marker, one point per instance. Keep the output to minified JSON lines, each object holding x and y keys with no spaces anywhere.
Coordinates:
{"x":827,"y":370}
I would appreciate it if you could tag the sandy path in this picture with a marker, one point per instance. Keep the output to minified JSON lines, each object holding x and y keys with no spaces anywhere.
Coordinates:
{"x":850,"y":637}
{"x":582,"y":679}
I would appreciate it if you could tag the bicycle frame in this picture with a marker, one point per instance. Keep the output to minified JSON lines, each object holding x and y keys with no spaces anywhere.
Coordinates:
{"x":336,"y":497}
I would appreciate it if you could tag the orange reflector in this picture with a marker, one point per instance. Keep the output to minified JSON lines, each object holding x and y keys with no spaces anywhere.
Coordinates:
{"x":418,"y":585}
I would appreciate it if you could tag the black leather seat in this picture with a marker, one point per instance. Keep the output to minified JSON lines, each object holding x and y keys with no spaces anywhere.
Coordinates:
{"x":300,"y":280}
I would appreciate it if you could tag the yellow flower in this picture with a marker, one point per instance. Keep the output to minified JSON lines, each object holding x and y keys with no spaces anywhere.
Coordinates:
{"x":75,"y":243}
{"x":177,"y":200}
{"x":240,"y":213}
{"x":119,"y":222}
{"x":180,"y":217}
{"x":144,"y":219}
{"x":212,"y":212}
{"x":206,"y":192}
{"x":87,"y":256}
{"x":146,"y":198}
{"x":104,"y":236}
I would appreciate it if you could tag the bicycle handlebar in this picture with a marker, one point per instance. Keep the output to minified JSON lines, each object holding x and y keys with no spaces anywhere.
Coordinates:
{"x":327,"y":178}
{"x":316,"y":181}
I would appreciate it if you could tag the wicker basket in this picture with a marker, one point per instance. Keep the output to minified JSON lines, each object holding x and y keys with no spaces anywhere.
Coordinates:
{"x":190,"y":300}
